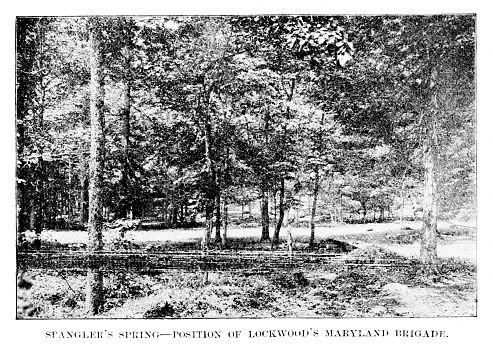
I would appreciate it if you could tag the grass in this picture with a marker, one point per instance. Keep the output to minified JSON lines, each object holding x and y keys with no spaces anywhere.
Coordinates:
{"x":334,"y":290}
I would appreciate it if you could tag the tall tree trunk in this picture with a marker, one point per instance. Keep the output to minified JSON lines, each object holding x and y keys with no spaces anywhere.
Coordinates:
{"x":210,"y":189}
{"x":224,"y":235}
{"x":175,"y":215}
{"x":125,"y":204}
{"x":341,"y":210}
{"x":38,"y":202}
{"x":26,"y":53}
{"x":84,"y":200}
{"x":208,"y":227}
{"x":22,"y":197}
{"x":274,"y":203}
{"x":40,"y":168}
{"x":403,"y":191}
{"x":428,"y":253}
{"x":218,"y":210}
{"x":314,"y":206}
{"x":282,"y":206}
{"x":265,"y":213}
{"x":70,"y":203}
{"x":264,"y":192}
{"x":182,"y":215}
{"x":94,"y":291}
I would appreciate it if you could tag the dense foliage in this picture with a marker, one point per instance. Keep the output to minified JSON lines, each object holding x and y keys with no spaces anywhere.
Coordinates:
{"x":314,"y":115}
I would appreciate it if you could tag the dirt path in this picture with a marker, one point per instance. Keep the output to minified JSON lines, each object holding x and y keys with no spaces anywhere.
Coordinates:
{"x":443,"y":300}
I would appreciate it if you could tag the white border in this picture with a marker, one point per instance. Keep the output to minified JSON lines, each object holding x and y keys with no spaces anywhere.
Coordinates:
{"x":463,"y":332}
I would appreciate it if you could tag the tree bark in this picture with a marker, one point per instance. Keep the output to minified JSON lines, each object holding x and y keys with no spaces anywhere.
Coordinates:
{"x":26,"y":53}
{"x":275,"y":238}
{"x":31,"y":88}
{"x":403,"y":189}
{"x":38,"y":202}
{"x":314,"y":206}
{"x":218,"y":210}
{"x":208,"y":228}
{"x":274,"y":204}
{"x":94,"y":294}
{"x":210,"y":189}
{"x":84,"y":199}
{"x":125,"y":204}
{"x":224,"y":235}
{"x":265,"y":213}
{"x":428,"y":252}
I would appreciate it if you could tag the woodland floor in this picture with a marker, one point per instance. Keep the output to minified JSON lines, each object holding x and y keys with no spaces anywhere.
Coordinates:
{"x":340,"y":289}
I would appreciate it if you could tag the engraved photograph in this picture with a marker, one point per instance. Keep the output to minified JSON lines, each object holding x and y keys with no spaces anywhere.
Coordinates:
{"x":254,"y":166}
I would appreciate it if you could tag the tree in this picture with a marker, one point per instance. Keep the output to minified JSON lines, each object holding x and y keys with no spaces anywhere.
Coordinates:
{"x":33,"y":59}
{"x":26,"y":55}
{"x":417,"y":73}
{"x":444,"y":85}
{"x":125,"y":205}
{"x":201,"y":113}
{"x":94,"y":295}
{"x":285,"y":47}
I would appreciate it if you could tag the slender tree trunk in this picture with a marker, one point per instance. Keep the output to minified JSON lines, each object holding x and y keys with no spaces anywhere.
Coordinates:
{"x":208,"y":227}
{"x":265,"y":214}
{"x":70,"y":203}
{"x":40,"y":168}
{"x":84,"y":187}
{"x":264,"y":188}
{"x":164,"y":207}
{"x":224,"y":235}
{"x":124,"y":204}
{"x":84,"y":200}
{"x":182,"y":214}
{"x":274,"y":203}
{"x":94,"y":291}
{"x":403,"y":191}
{"x":341,"y":212}
{"x":174,"y":219}
{"x":218,"y":210}
{"x":275,"y":239}
{"x":428,"y":253}
{"x":26,"y":53}
{"x":314,"y":207}
{"x":210,"y":189}
{"x":38,"y":202}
